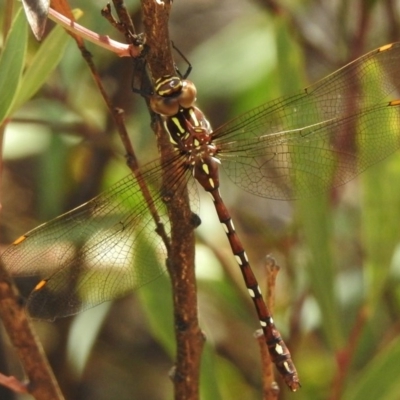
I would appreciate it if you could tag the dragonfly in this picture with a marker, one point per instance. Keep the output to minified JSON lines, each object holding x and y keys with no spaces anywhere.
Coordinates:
{"x":294,"y":146}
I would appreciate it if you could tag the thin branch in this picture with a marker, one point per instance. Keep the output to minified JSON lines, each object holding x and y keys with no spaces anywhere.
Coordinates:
{"x":104,"y":41}
{"x":13,"y":384}
{"x":346,"y":355}
{"x":134,"y":167}
{"x":270,"y":387}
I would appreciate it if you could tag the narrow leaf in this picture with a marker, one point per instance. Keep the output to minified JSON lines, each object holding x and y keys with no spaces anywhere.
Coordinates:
{"x":11,"y":64}
{"x":45,"y":61}
{"x":379,"y":378}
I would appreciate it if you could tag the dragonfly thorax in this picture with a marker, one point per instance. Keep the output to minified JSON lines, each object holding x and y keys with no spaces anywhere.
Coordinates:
{"x":189,"y":130}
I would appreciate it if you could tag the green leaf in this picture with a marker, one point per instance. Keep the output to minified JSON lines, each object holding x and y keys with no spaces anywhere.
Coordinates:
{"x":251,"y":34}
{"x":156,"y":298}
{"x":290,"y":60}
{"x":12,"y":61}
{"x":209,"y":385}
{"x":45,"y":61}
{"x":381,"y":213}
{"x":381,"y":199}
{"x":379,"y":378}
{"x":316,"y":219}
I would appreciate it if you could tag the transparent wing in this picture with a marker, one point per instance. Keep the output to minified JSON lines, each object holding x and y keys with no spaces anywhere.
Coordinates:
{"x":311,"y":160}
{"x":301,"y":145}
{"x":93,"y":253}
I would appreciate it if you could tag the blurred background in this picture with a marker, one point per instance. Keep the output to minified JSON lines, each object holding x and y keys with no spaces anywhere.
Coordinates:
{"x":338,"y":253}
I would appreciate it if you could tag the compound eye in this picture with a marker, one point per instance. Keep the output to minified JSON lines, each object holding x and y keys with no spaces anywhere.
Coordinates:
{"x":187,"y":97}
{"x":166,"y":106}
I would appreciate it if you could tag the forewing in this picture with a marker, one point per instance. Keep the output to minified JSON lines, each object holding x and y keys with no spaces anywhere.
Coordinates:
{"x":301,"y":145}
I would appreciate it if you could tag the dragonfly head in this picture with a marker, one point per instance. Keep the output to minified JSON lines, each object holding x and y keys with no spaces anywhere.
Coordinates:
{"x":172,"y":94}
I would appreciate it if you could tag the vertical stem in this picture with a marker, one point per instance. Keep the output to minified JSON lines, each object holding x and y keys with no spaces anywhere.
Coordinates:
{"x":181,"y":256}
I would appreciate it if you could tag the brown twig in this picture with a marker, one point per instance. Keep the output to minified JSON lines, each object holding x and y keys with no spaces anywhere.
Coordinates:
{"x":42,"y":383}
{"x":134,"y":167}
{"x":345,"y":356}
{"x":270,"y":387}
{"x":124,"y":24}
{"x":360,"y":35}
{"x":181,"y":256}
{"x":272,"y":269}
{"x":392,"y":17}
